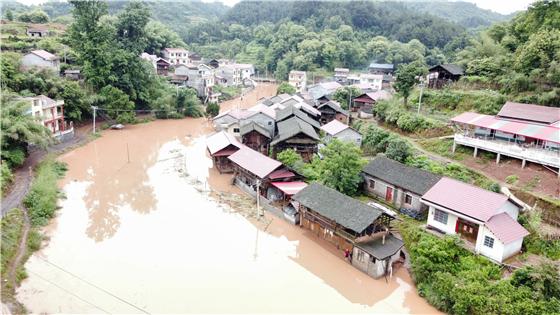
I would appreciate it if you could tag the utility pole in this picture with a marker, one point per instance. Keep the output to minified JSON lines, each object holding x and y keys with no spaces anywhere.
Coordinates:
{"x":258,"y":197}
{"x":420,"y":98}
{"x":94,"y":112}
{"x":127,"y":152}
{"x":349,"y":103}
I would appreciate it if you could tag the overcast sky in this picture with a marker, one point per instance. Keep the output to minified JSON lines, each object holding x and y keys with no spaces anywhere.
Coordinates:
{"x":500,"y":6}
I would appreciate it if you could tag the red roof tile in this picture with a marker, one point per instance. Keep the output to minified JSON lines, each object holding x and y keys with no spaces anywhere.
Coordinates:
{"x":530,"y":112}
{"x":220,"y":141}
{"x":254,"y":162}
{"x":289,"y":188}
{"x":283,"y":173}
{"x":467,"y":199}
{"x":506,"y":228}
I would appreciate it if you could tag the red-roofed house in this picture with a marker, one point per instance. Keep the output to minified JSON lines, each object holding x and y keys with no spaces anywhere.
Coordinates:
{"x":252,"y":169}
{"x":483,"y":218}
{"x":527,"y":132}
{"x":220,"y":146}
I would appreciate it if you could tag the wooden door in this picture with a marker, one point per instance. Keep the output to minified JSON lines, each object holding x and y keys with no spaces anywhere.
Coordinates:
{"x":389,"y":194}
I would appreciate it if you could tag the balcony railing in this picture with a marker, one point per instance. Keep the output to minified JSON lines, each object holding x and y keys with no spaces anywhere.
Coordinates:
{"x":530,"y":153}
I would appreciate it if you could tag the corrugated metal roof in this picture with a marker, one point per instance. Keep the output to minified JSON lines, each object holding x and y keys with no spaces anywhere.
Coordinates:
{"x":451,"y":68}
{"x":505,"y":228}
{"x":467,"y":199}
{"x":254,"y":162}
{"x":530,"y":112}
{"x":281,"y":173}
{"x":220,"y":141}
{"x":334,"y":127}
{"x":289,"y":188}
{"x":547,"y":133}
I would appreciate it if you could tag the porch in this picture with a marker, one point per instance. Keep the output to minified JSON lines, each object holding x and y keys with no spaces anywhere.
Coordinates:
{"x":523,"y":152}
{"x":466,"y":243}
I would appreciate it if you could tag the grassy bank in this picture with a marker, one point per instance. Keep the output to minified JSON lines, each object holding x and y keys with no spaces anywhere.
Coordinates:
{"x":459,"y":282}
{"x":41,"y":205}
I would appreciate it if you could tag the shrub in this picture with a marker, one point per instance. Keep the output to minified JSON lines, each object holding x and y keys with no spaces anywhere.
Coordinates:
{"x":6,"y":176}
{"x":398,"y":149}
{"x":512,"y":179}
{"x":41,"y":201}
{"x":212,"y":109}
{"x":15,"y":157}
{"x":289,"y":157}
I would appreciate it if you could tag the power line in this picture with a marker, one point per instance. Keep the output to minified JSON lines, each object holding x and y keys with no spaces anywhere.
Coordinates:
{"x":95,"y":286}
{"x":71,"y":293}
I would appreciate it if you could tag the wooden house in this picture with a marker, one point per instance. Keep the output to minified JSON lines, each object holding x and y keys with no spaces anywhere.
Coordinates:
{"x":337,"y":218}
{"x":252,"y":170}
{"x":298,"y":134}
{"x":162,"y":66}
{"x":368,"y":100}
{"x":255,"y":137}
{"x":444,"y":74}
{"x":330,"y":111}
{"x":220,"y":146}
{"x":398,"y":184}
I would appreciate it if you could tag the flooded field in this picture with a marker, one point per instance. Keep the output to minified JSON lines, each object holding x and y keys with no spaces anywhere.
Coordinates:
{"x":139,"y":232}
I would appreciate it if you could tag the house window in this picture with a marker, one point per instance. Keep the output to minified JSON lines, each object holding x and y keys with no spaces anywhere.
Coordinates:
{"x":360,"y":256}
{"x":236,"y":130}
{"x":488,"y":241}
{"x":408,"y":199}
{"x":371,"y":183}
{"x":270,"y":123}
{"x":440,"y":216}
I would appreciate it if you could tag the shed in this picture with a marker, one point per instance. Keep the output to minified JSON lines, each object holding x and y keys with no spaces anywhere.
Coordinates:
{"x":443,"y":74}
{"x":220,"y":146}
{"x":377,"y":255}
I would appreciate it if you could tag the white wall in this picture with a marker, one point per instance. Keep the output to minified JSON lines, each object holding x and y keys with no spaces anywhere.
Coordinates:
{"x":494,"y":253}
{"x":32,"y":60}
{"x":448,"y":228}
{"x":512,"y":248}
{"x":350,"y":135}
{"x":511,"y":209}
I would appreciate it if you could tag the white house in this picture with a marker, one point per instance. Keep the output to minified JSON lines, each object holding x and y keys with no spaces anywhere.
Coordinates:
{"x":228,"y":75}
{"x":485,"y":220}
{"x":298,"y":79}
{"x":375,"y":81}
{"x":232,"y":120}
{"x":246,"y":70}
{"x":176,"y":56}
{"x":342,"y":132}
{"x":200,"y":78}
{"x":150,"y":58}
{"x":40,"y":59}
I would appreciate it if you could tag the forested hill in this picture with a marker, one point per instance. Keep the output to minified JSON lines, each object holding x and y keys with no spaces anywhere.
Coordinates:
{"x":390,"y":19}
{"x":463,"y":13}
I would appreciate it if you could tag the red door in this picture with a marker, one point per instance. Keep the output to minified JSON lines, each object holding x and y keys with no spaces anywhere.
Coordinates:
{"x":389,"y":194}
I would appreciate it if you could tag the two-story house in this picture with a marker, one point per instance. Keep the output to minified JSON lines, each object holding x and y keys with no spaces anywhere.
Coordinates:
{"x":298,"y":79}
{"x":200,"y":78}
{"x":51,"y":115}
{"x":485,"y":220}
{"x":341,"y":75}
{"x":41,"y":59}
{"x":176,"y":56}
{"x":228,"y":75}
{"x":375,"y":81}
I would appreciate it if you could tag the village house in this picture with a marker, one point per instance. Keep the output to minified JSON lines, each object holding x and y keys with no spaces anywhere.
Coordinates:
{"x":220,"y":146}
{"x":176,"y":56}
{"x":298,"y":79}
{"x":364,"y":103}
{"x":375,"y":81}
{"x":232,"y":120}
{"x":162,"y":67}
{"x":527,"y":132}
{"x":348,"y":223}
{"x":252,"y":170}
{"x":398,"y":184}
{"x":337,"y":130}
{"x":51,"y":115}
{"x":441,"y":75}
{"x":341,"y":75}
{"x":40,"y":59}
{"x":330,"y":111}
{"x":229,"y":75}
{"x":72,"y":74}
{"x":37,"y":31}
{"x":246,"y":70}
{"x":322,"y":92}
{"x":255,"y":137}
{"x":485,"y":220}
{"x":200,"y":78}
{"x":195,"y":58}
{"x":381,"y":68}
{"x":295,"y":133}
{"x":292,"y":111}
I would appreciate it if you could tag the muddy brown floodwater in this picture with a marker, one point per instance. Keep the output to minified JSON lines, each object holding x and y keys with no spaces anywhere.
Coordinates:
{"x":139,"y":232}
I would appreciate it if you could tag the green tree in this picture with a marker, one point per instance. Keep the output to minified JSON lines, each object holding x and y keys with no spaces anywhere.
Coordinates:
{"x":9,"y":15}
{"x":344,"y":95}
{"x":159,"y":36}
{"x":212,"y":109}
{"x":285,"y":87}
{"x":407,"y":77}
{"x":116,"y":104}
{"x":289,"y":157}
{"x":341,"y":166}
{"x":398,"y":149}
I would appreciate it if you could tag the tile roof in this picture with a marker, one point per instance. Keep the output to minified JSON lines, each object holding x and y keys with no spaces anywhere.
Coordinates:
{"x":467,"y":199}
{"x":220,"y":141}
{"x":246,"y":128}
{"x":530,"y":112}
{"x":281,"y":174}
{"x":379,"y":95}
{"x":292,"y":127}
{"x":387,"y":66}
{"x":335,"y":106}
{"x":451,"y":68}
{"x":409,"y":178}
{"x":308,"y":109}
{"x":334,"y":127}
{"x":254,"y":162}
{"x":262,"y":108}
{"x":44,"y":54}
{"x":344,"y":210}
{"x":290,"y":111}
{"x":505,"y":228}
{"x":237,"y":113}
{"x":380,"y":251}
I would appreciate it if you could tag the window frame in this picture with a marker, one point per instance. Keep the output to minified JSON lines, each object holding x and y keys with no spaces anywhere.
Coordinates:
{"x":488,"y":241}
{"x":438,"y":216}
{"x":406,"y":196}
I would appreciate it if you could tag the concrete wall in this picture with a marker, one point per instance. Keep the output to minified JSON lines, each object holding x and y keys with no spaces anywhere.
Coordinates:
{"x":32,"y":60}
{"x":448,"y":228}
{"x":350,"y":135}
{"x":399,"y":194}
{"x":374,"y":269}
{"x":511,"y":209}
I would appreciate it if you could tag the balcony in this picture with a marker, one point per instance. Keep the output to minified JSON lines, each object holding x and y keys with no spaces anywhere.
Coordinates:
{"x":531,"y":154}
